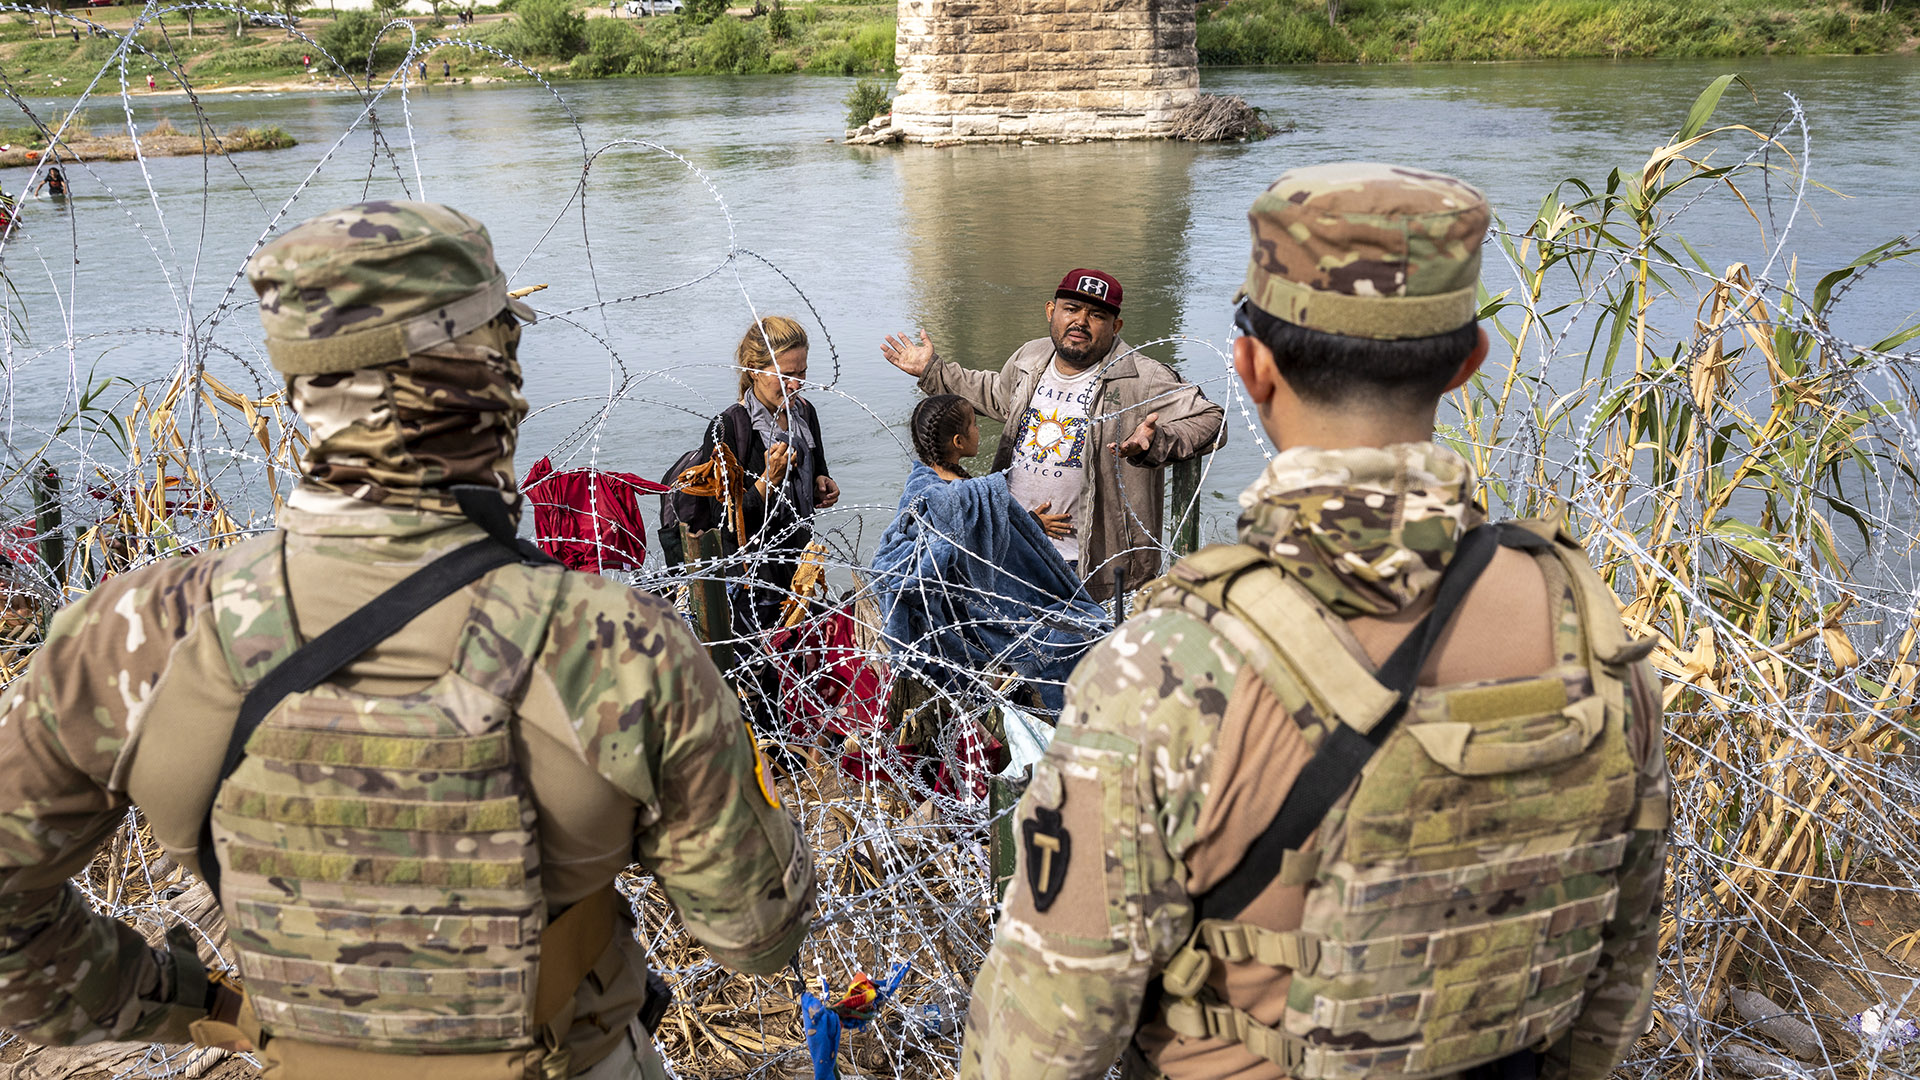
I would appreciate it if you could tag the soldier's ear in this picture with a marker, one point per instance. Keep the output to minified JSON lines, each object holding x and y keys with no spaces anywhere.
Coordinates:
{"x":1471,"y":364}
{"x":1253,"y":362}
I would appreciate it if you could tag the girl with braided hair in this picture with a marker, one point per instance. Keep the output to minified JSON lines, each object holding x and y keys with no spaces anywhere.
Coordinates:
{"x":945,"y":432}
{"x":968,"y":584}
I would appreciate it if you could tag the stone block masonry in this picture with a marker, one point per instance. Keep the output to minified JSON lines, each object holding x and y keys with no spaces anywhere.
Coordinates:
{"x":1005,"y":70}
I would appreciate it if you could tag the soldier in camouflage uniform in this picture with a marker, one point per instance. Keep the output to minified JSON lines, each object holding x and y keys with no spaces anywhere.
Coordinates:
{"x":1484,"y":899}
{"x":394,"y":842}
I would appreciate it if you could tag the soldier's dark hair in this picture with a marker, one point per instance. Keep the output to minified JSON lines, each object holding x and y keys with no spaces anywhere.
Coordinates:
{"x":1335,"y":369}
{"x":936,"y":422}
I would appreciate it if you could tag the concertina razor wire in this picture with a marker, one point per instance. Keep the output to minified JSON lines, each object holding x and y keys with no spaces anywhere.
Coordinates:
{"x":1749,"y":491}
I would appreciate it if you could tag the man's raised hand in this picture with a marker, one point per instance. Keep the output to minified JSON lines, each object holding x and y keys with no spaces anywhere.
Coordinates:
{"x":1140,"y":441}
{"x":902,"y":353}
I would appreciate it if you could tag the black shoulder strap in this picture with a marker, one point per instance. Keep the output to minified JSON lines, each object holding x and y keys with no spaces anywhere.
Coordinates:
{"x":1344,"y":752}
{"x":375,"y":621}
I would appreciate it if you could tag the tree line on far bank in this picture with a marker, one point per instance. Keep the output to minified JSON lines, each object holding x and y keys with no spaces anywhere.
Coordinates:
{"x":829,"y":39}
{"x":1385,"y":31}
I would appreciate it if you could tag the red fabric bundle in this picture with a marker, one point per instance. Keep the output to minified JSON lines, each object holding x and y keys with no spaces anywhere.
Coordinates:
{"x":828,"y":687}
{"x":589,"y":519}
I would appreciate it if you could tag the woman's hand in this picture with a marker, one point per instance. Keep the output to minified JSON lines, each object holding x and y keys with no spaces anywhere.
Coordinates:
{"x":825,"y":493}
{"x":778,"y":455}
{"x":902,"y":353}
{"x":1056,"y":526}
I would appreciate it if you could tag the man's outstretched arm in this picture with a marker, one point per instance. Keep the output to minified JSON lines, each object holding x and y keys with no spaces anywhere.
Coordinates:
{"x":987,"y":391}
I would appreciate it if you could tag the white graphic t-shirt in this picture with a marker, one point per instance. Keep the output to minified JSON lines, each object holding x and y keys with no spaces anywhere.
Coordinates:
{"x":1050,"y":460}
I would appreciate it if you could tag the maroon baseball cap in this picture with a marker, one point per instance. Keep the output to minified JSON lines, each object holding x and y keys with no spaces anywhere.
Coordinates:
{"x":1092,"y":286}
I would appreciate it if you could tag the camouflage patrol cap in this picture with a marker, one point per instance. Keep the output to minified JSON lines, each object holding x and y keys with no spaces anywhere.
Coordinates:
{"x":373,"y":283}
{"x":1367,"y":250}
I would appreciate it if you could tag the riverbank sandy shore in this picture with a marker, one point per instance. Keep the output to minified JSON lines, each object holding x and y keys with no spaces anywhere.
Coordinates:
{"x":159,"y":144}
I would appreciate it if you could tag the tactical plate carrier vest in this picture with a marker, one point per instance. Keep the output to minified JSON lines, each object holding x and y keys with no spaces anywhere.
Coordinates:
{"x":379,"y":864}
{"x":1459,"y":889}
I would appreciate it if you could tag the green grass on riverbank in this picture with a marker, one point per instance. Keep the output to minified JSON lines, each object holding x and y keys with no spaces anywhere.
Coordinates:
{"x":552,"y":36}
{"x":1385,"y":31}
{"x":833,"y":39}
{"x":557,"y":38}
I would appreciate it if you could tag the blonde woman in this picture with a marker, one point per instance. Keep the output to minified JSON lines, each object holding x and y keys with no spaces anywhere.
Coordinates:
{"x":775,"y":435}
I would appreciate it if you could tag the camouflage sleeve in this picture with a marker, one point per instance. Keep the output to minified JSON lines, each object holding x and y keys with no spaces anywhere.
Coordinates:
{"x":1620,"y":990}
{"x":655,"y":719}
{"x":1098,"y":902}
{"x":68,"y":974}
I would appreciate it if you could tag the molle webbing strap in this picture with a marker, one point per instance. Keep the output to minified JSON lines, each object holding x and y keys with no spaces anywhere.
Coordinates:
{"x":1345,"y":751}
{"x":570,"y":946}
{"x":376,"y":621}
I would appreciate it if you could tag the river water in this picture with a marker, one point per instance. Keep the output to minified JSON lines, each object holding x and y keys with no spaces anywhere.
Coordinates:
{"x":966,"y":242}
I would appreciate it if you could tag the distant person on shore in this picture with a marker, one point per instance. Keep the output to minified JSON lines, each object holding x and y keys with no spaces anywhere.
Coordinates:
{"x":446,"y":70}
{"x":1065,"y":397}
{"x":149,"y":82}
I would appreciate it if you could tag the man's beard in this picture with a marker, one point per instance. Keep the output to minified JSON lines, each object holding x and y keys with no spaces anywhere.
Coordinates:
{"x":1081,"y":356}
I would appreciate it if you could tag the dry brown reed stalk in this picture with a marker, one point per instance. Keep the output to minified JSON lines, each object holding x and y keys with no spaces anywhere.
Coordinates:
{"x":1748,"y":491}
{"x":1734,"y":488}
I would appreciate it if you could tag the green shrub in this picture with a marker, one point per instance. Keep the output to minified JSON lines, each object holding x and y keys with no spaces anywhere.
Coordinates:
{"x":873,"y":46}
{"x":730,"y":45}
{"x":351,"y":35}
{"x":867,"y":99}
{"x":779,"y":24}
{"x":705,"y":11}
{"x":611,"y":44}
{"x":1271,"y":32}
{"x":550,"y":27}
{"x":271,"y":58}
{"x":867,"y":50}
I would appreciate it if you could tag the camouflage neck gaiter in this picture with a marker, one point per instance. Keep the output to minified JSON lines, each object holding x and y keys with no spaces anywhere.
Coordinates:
{"x":400,"y":435}
{"x":1366,"y":530}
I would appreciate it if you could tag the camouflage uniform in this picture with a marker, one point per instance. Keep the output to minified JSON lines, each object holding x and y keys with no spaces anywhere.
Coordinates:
{"x":620,"y":738}
{"x":1184,"y":732}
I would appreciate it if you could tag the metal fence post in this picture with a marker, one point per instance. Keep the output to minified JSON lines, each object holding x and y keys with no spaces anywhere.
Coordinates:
{"x":707,"y":594}
{"x":1183,"y":531}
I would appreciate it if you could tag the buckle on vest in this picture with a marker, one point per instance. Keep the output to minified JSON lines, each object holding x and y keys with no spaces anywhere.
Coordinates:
{"x":1223,"y":1022}
{"x":1229,"y":941}
{"x":1186,"y":973}
{"x":1186,"y":1017}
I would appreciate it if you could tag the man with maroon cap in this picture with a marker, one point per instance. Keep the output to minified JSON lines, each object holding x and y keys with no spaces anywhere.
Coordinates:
{"x":1064,"y":398}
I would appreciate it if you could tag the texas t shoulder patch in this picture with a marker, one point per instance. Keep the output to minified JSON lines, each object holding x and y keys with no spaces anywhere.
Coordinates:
{"x":1048,"y":849}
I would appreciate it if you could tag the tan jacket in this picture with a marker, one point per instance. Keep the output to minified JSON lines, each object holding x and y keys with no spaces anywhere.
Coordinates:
{"x":1120,"y":512}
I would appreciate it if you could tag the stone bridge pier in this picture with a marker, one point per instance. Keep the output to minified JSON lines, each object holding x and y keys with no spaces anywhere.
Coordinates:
{"x":1004,"y":70}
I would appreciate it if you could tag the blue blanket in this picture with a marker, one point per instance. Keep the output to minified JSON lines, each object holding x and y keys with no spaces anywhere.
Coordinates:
{"x":969,"y":585}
